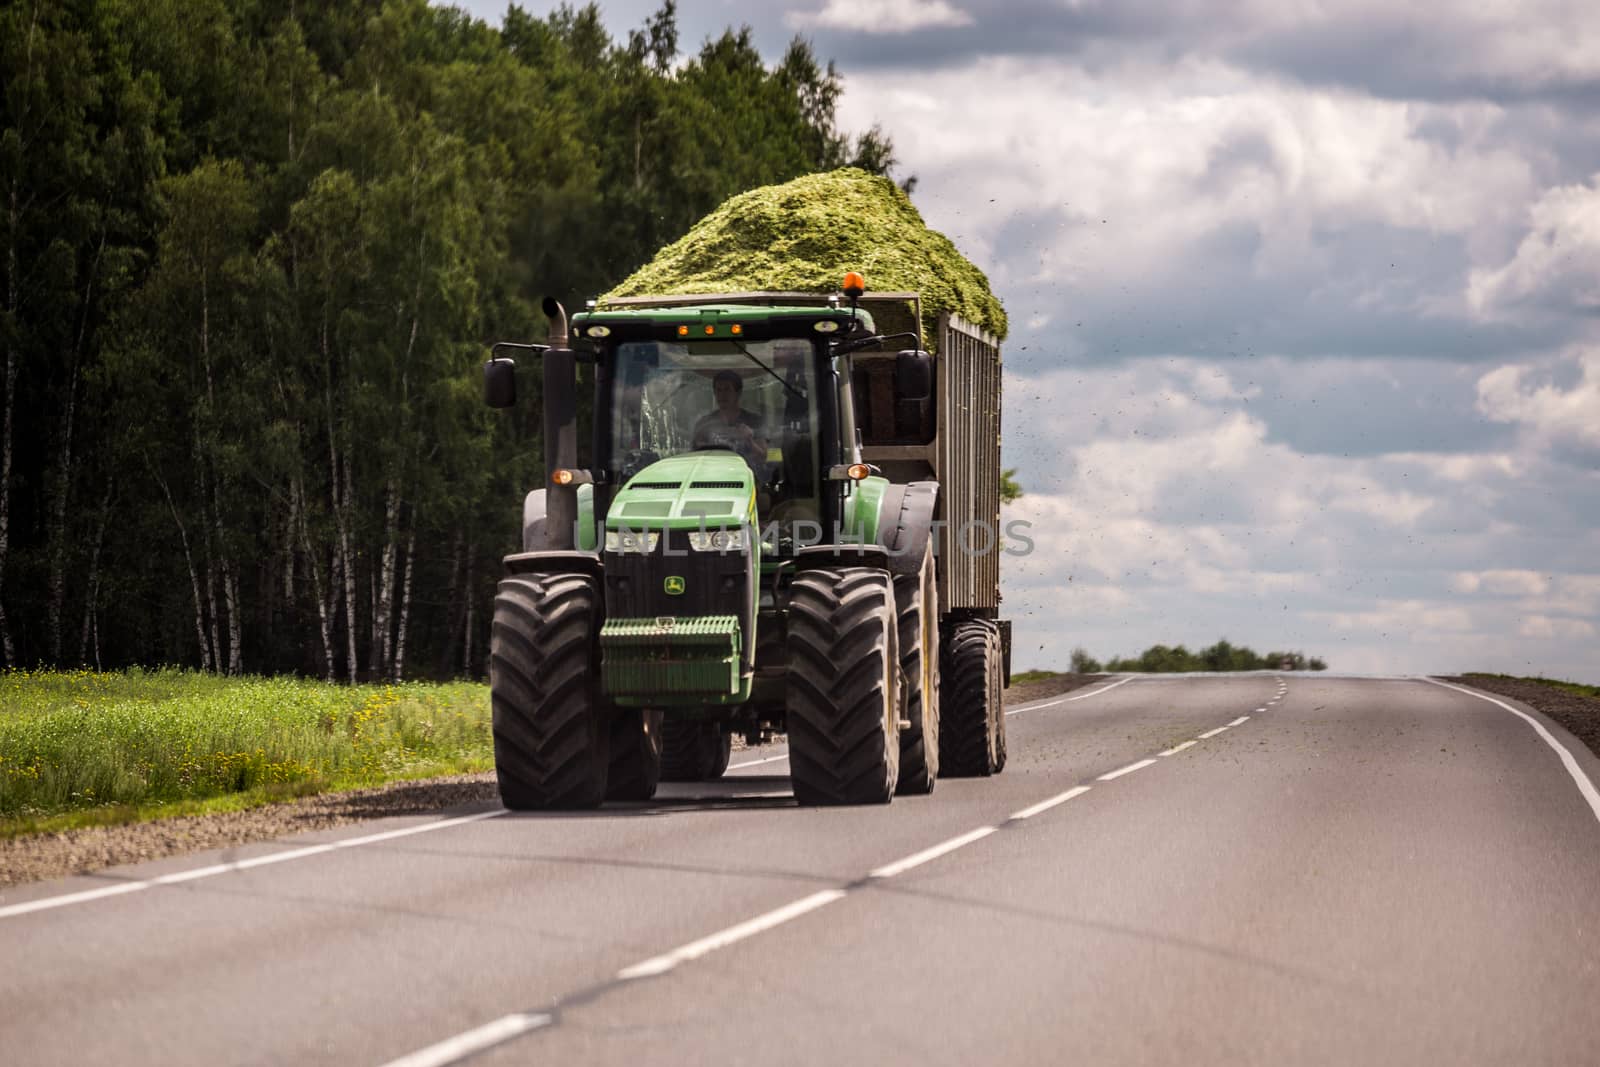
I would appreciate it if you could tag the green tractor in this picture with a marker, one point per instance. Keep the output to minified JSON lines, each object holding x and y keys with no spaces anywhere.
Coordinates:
{"x":788,"y":524}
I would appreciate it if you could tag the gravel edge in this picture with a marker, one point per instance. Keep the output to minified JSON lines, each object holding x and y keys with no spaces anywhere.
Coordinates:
{"x":1579,"y":715}
{"x":36,"y":857}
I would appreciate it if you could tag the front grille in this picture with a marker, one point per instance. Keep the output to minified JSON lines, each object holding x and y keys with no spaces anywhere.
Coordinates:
{"x":716,"y":485}
{"x":714,"y":583}
{"x":655,"y":485}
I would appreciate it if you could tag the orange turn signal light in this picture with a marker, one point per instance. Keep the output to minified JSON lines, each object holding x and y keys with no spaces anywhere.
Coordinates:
{"x":710,"y":330}
{"x":683,"y":331}
{"x":858,"y":471}
{"x":562,"y":477}
{"x":737,"y":329}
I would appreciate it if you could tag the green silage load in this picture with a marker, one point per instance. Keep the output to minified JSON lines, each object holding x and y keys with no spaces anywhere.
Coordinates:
{"x":803,"y":235}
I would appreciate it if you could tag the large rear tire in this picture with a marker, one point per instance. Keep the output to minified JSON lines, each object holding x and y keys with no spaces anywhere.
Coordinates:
{"x":550,"y":726}
{"x":917,"y":601}
{"x":635,"y":755}
{"x":694,"y":751}
{"x":844,"y":687}
{"x":972,"y":723}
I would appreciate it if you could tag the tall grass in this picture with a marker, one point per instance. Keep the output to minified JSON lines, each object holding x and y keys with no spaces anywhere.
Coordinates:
{"x":79,"y":740}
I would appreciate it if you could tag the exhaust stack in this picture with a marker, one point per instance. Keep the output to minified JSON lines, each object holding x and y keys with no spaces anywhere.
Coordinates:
{"x":560,"y":430}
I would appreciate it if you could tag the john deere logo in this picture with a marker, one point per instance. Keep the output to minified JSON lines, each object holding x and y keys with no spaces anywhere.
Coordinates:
{"x":674,"y":585}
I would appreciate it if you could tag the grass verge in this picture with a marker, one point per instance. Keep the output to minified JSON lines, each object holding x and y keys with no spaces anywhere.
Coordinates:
{"x":85,"y":748}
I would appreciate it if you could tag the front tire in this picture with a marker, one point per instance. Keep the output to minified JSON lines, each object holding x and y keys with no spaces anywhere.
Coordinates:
{"x":844,"y":687}
{"x":550,"y":731}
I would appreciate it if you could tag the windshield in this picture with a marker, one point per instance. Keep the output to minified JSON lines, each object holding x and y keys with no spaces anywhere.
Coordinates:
{"x":754,"y":398}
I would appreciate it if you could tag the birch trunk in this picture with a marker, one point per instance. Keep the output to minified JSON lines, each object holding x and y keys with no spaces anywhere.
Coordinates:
{"x":349,"y":566}
{"x":471,"y":622}
{"x":5,"y":498}
{"x":5,"y":428}
{"x":58,"y":521}
{"x":63,"y":488}
{"x":194,"y":580}
{"x":383,"y":608}
{"x":324,"y":618}
{"x":447,"y":652}
{"x":405,"y":606}
{"x":92,"y":598}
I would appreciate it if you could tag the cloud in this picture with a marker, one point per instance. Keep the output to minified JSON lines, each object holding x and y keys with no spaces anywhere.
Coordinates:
{"x":1557,"y":266}
{"x":1445,"y":50}
{"x":1165,"y":508}
{"x":880,"y":17}
{"x":1199,"y":209}
{"x":1557,"y":414}
{"x":1501,"y":583}
{"x":1545,"y":626}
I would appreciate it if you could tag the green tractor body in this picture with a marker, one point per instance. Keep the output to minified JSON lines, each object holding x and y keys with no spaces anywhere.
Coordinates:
{"x":786,"y":522}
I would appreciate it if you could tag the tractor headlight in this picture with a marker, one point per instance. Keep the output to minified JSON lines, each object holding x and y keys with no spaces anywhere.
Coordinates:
{"x":716,"y":540}
{"x":632,"y":540}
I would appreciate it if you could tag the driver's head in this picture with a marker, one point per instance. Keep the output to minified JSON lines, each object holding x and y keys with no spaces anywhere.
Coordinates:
{"x":727,"y":386}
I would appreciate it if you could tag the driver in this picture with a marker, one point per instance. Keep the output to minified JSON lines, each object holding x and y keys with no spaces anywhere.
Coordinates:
{"x":732,"y":427}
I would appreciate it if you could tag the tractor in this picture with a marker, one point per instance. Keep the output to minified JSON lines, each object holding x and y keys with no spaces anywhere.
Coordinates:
{"x":788,"y":524}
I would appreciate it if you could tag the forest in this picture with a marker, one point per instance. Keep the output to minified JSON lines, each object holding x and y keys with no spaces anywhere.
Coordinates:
{"x":253,"y":254}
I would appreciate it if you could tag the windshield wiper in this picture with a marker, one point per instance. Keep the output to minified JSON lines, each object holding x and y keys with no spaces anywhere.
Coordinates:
{"x":797,"y":394}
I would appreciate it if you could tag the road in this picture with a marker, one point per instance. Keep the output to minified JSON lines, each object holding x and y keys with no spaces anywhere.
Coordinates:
{"x":1350,"y":871}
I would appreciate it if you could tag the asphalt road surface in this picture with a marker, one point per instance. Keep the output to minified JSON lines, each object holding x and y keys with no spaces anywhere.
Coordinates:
{"x":1188,"y":870}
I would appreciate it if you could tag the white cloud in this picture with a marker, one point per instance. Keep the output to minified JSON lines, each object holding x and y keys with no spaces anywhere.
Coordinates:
{"x":1543,"y":626}
{"x":1501,"y":583}
{"x":881,"y":16}
{"x":1528,"y":396}
{"x":1557,"y":265}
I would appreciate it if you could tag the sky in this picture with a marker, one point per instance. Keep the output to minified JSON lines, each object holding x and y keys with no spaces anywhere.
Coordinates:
{"x":1305,"y":304}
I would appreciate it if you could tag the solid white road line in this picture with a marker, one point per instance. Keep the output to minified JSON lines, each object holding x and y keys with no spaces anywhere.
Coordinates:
{"x":917,"y":859}
{"x":723,"y":938}
{"x":1068,"y":700}
{"x":1240,"y":721}
{"x":1129,"y":769}
{"x":758,"y":762}
{"x":87,"y":895}
{"x":1261,"y":709}
{"x":455,"y":1049}
{"x":1213,"y":733}
{"x":1585,"y":786}
{"x":1046,"y":805}
{"x":1175,"y":749}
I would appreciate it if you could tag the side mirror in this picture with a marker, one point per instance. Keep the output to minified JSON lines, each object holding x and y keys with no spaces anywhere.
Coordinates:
{"x":913,"y":375}
{"x":500,"y":383}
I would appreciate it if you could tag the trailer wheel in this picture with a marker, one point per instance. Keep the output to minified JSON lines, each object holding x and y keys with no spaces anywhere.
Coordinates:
{"x":550,"y":730}
{"x":844,"y":687}
{"x":635,"y":755}
{"x":694,"y":751}
{"x":916,"y":598}
{"x":971,"y":729}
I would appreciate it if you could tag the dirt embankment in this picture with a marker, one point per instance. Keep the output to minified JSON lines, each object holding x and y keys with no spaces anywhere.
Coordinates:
{"x":1578,"y":713}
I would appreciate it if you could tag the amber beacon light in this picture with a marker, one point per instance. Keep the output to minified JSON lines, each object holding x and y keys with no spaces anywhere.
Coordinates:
{"x":854,"y":285}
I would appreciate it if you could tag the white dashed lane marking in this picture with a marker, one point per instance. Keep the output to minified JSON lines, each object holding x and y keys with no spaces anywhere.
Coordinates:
{"x":1213,"y":733}
{"x":1046,"y":805}
{"x":1129,"y":769}
{"x":1175,"y":749}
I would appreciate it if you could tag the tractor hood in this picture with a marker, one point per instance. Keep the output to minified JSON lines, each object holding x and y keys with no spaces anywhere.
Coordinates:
{"x":710,"y":489}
